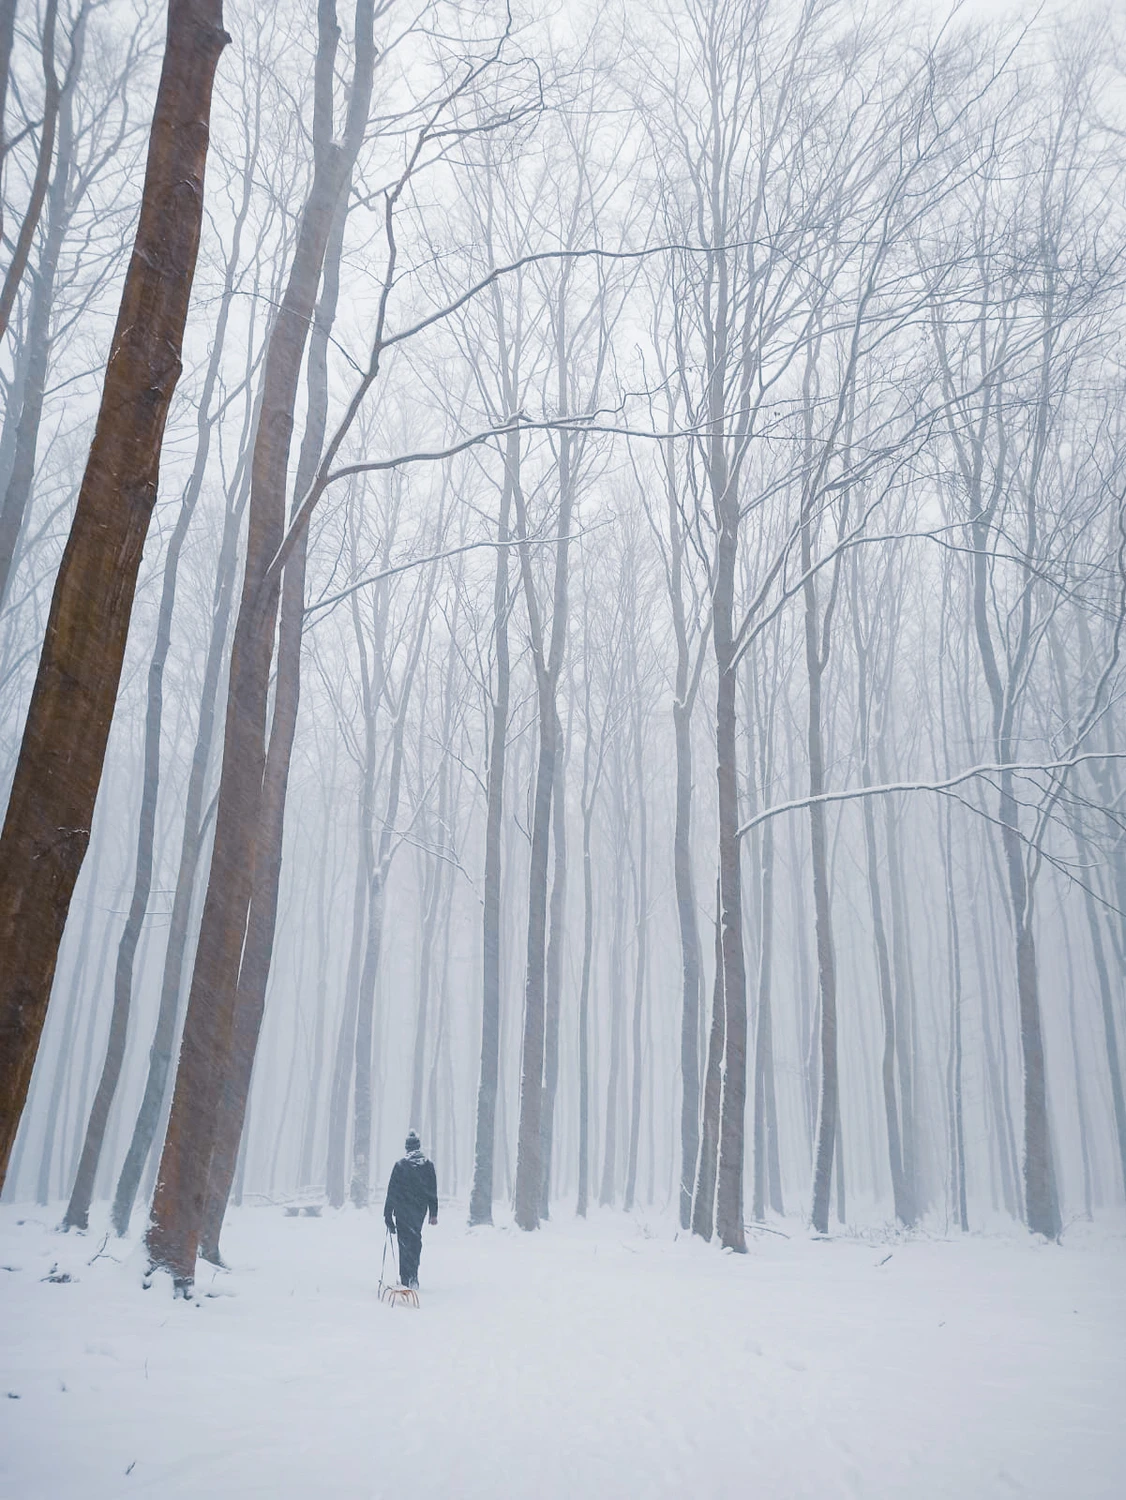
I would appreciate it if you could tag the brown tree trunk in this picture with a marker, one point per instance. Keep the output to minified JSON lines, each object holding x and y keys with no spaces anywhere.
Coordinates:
{"x":47,"y":828}
{"x":78,"y":1209}
{"x":206,"y":1050}
{"x":155,"y":1096}
{"x":254,"y":970}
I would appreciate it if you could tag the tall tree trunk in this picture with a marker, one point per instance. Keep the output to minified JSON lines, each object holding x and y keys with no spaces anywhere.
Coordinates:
{"x":690,"y":962}
{"x":684,"y":696}
{"x":703,"y":1203}
{"x":257,"y":956}
{"x":1040,"y":1194}
{"x":616,"y":1018}
{"x":78,"y":1210}
{"x":69,"y":1039}
{"x":338,"y":1111}
{"x":1077,"y":1073}
{"x":828,"y":1108}
{"x":956,"y":1054}
{"x":254,"y":970}
{"x":592,"y":778}
{"x":81,"y":1073}
{"x":548,"y":657}
{"x":427,"y":960}
{"x":155,"y":1096}
{"x":47,"y":827}
{"x":765,"y":1129}
{"x":729,"y":1183}
{"x":529,"y":1145}
{"x":905,"y":1023}
{"x":205,"y":1053}
{"x":554,"y":980}
{"x":997,"y":1092}
{"x":312,"y":1110}
{"x":367,"y":1029}
{"x":1106,"y":1002}
{"x":641,"y":937}
{"x":583,"y":1196}
{"x":447,"y":1173}
{"x":481,"y":1198}
{"x":900,"y":1182}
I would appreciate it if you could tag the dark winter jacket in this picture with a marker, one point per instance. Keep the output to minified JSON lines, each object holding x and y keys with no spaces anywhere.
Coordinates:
{"x":412,"y":1192}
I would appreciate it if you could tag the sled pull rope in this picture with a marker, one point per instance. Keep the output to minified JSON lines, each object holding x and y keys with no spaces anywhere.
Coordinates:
{"x":383,"y":1262}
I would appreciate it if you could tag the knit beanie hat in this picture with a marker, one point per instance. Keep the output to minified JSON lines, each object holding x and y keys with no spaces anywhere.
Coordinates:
{"x":413,"y":1142}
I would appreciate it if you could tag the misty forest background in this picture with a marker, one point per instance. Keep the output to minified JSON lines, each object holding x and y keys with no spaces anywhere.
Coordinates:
{"x":688,"y":775}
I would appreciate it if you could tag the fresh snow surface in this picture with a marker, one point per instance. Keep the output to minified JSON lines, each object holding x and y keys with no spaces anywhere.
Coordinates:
{"x":603,"y":1359}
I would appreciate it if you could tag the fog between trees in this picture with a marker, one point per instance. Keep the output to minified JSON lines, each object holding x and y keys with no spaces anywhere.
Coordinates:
{"x":626,"y":666}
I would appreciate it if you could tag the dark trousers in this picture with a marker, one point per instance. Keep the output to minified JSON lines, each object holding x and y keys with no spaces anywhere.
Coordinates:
{"x":410,"y":1250}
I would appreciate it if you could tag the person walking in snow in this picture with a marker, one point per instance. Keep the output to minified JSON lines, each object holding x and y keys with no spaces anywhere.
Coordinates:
{"x":411,"y":1192}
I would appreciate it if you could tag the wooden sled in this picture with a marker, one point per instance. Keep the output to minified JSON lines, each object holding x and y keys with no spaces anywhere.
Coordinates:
{"x":399,"y":1296}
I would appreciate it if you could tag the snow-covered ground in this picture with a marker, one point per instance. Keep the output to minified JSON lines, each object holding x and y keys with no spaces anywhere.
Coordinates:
{"x":606,"y":1359}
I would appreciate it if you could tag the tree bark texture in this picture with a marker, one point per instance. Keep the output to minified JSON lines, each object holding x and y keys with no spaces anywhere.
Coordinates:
{"x":47,"y":828}
{"x":206,"y":1048}
{"x":78,"y":1209}
{"x":257,"y":956}
{"x":155,"y":1096}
